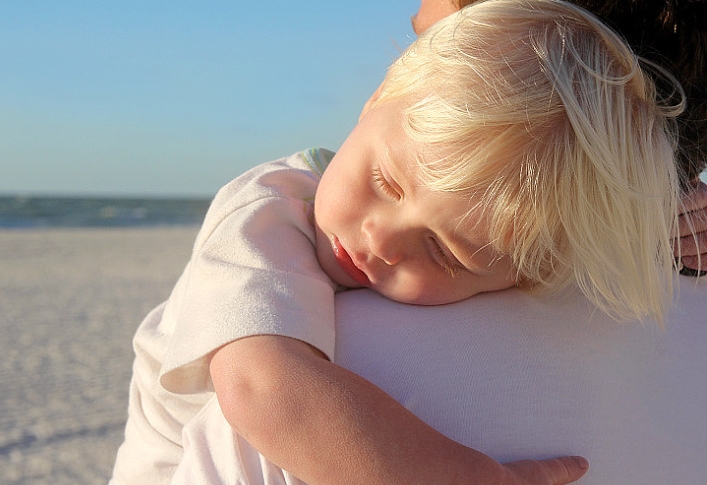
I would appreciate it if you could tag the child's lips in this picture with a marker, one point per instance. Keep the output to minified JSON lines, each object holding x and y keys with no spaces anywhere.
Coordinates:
{"x":347,"y":264}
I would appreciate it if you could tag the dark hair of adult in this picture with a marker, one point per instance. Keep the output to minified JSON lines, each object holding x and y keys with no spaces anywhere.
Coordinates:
{"x":673,"y":35}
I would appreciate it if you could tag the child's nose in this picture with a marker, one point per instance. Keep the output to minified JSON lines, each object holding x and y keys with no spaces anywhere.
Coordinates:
{"x":385,"y":241}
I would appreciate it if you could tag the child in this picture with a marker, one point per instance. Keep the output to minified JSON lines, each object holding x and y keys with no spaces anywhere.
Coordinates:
{"x":515,"y":143}
{"x":671,"y":35}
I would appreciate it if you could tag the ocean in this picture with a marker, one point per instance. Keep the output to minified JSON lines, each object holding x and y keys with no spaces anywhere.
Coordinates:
{"x":29,"y":212}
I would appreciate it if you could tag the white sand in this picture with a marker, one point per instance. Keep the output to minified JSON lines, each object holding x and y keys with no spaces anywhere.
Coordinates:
{"x":70,"y":301}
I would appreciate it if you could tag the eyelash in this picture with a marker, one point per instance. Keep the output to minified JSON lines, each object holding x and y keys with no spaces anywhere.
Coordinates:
{"x":449,"y":266}
{"x":384,"y":184}
{"x":445,"y":262}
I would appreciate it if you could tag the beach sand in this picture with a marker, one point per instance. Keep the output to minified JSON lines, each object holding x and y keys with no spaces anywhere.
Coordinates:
{"x":70,"y":301}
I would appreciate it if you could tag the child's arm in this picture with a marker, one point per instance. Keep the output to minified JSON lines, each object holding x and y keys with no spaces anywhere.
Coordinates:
{"x":327,"y":425}
{"x":693,"y":248}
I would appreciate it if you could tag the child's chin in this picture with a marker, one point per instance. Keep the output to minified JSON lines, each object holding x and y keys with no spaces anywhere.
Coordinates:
{"x":342,"y":280}
{"x":349,"y":284}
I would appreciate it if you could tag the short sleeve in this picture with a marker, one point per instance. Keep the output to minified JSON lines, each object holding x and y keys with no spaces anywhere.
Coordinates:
{"x":253,"y":272}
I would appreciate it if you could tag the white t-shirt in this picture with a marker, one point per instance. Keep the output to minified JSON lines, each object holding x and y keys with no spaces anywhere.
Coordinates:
{"x":516,"y":376}
{"x":253,"y":271}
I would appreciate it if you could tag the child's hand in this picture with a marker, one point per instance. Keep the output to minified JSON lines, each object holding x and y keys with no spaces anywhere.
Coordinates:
{"x":326,"y":425}
{"x":556,"y":471}
{"x":694,"y":218}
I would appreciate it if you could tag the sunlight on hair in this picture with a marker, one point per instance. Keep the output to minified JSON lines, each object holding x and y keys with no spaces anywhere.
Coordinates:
{"x":542,"y":113}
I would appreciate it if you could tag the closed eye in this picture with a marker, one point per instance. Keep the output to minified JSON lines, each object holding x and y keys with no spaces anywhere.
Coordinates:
{"x":444,"y":261}
{"x":384,"y":185}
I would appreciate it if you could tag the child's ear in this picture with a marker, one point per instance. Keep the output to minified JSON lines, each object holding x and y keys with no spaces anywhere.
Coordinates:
{"x":370,"y":103}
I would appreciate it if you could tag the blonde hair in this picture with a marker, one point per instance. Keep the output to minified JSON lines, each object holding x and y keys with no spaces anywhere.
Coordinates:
{"x":542,"y":113}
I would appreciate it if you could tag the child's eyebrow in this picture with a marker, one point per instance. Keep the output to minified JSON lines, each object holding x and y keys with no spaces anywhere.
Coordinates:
{"x":403,"y":173}
{"x":393,"y":171}
{"x":387,"y":156}
{"x":477,"y":257}
{"x":467,"y":260}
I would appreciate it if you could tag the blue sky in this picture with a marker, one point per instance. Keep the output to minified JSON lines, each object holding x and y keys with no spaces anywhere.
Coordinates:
{"x":158,"y":98}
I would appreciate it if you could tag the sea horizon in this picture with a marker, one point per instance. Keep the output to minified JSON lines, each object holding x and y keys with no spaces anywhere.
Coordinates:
{"x":44,"y":211}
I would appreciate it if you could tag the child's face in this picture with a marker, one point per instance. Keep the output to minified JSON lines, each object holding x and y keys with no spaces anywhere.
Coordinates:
{"x":378,"y":227}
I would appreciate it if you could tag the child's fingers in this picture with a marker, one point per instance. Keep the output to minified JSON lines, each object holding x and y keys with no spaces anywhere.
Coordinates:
{"x":555,"y":471}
